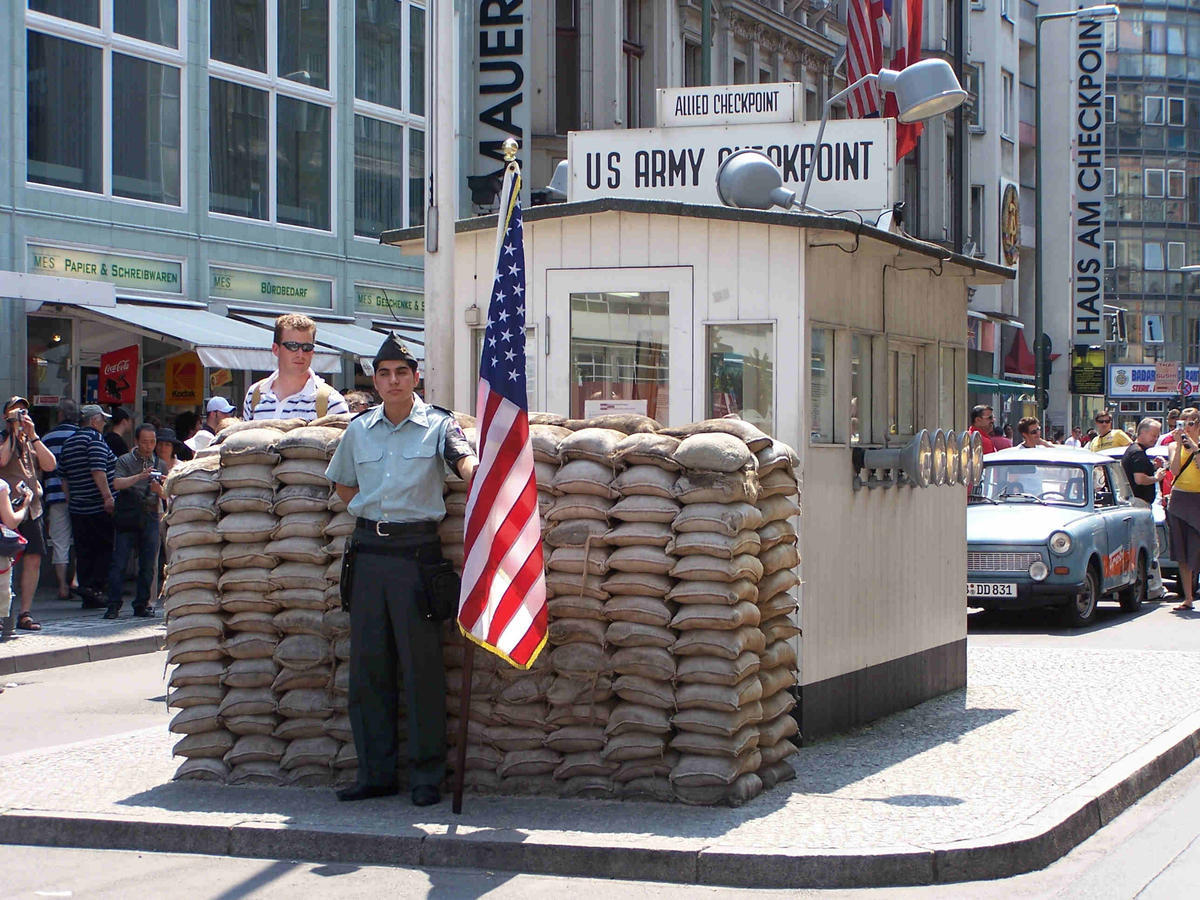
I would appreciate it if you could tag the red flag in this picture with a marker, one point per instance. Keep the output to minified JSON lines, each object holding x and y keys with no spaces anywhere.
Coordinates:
{"x":502,"y":606}
{"x":864,"y":54}
{"x":907,"y":33}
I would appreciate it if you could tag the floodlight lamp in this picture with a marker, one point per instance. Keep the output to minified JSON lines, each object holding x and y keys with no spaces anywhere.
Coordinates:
{"x":976,"y":457}
{"x":911,"y":464}
{"x":747,"y":179}
{"x":939,"y":457}
{"x":953,"y":459}
{"x":1103,"y":13}
{"x":923,"y":90}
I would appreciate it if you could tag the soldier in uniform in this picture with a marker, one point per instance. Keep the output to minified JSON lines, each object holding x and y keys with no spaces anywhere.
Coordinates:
{"x":389,"y":469}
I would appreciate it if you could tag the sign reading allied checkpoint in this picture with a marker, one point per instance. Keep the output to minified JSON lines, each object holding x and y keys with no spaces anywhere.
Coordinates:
{"x":854,"y":166}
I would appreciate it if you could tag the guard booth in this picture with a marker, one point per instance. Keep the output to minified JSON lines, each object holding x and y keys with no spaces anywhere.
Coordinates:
{"x":828,"y":334}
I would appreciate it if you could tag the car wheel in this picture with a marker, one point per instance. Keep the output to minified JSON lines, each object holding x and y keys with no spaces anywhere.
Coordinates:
{"x":1081,"y":610}
{"x":1134,"y":595}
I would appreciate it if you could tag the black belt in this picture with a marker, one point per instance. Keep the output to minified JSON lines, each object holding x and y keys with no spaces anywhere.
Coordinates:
{"x":397,"y":529}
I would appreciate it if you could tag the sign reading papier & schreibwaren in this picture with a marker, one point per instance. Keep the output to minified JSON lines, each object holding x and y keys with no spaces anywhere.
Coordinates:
{"x":133,"y":272}
{"x":854,"y":165}
{"x":288,"y":290}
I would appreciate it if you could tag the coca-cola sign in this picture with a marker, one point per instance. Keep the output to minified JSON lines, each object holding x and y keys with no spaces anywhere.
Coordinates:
{"x":119,"y":375}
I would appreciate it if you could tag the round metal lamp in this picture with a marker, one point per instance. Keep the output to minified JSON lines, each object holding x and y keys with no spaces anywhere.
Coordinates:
{"x":939,"y":458}
{"x":748,"y":179}
{"x":923,"y":90}
{"x":953,"y":458}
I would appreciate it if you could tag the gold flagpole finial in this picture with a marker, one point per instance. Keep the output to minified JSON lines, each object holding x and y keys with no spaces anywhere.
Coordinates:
{"x":510,"y":148}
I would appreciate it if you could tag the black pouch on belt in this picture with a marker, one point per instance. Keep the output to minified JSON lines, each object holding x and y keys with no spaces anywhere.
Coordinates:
{"x":442,"y":586}
{"x":346,"y":580}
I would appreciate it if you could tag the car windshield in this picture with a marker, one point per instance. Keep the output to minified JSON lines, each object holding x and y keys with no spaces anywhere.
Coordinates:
{"x":1016,"y":482}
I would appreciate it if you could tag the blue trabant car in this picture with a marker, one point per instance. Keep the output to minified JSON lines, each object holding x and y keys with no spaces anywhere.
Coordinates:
{"x":1056,"y":526}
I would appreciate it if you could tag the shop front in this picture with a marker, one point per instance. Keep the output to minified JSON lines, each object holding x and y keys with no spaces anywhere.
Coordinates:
{"x":829,"y":335}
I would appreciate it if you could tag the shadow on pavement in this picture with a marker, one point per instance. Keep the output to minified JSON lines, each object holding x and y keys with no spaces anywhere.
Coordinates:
{"x":1048,"y":620}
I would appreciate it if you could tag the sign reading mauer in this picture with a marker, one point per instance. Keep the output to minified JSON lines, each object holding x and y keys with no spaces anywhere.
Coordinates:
{"x":854,"y":165}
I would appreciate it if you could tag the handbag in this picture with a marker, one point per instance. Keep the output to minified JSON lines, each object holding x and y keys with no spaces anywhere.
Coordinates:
{"x":12,"y":545}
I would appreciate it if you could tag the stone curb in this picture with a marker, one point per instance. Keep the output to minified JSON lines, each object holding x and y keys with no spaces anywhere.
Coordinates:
{"x":1034,"y":844}
{"x":72,"y":656}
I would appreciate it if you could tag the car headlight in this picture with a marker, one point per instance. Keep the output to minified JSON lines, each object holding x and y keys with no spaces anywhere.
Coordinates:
{"x":1060,"y":542}
{"x":1038,"y":570}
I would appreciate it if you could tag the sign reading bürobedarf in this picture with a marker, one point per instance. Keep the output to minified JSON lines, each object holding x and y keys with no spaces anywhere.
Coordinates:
{"x":730,"y":104}
{"x":854,"y":165}
{"x":285,"y":290}
{"x":132,"y":272}
{"x":371,"y":299}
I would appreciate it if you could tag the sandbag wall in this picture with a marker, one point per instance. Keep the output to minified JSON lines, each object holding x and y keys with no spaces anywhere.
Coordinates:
{"x":667,"y":675}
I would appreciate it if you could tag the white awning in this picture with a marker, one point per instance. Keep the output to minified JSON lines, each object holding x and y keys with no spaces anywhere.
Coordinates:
{"x":219,"y":342}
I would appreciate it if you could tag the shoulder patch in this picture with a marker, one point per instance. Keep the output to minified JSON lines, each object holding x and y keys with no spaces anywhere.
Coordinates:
{"x":358,"y":415}
{"x":441,"y":409}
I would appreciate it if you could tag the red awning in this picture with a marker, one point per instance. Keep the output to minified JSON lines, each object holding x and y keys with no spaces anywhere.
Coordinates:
{"x":1020,"y":359}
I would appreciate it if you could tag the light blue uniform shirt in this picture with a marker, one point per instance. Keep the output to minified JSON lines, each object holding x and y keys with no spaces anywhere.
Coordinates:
{"x":399,"y":470}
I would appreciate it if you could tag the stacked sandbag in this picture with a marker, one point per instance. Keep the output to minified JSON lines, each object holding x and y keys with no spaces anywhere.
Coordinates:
{"x":195,"y":628}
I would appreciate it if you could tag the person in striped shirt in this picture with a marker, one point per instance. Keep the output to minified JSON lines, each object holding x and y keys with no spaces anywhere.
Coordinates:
{"x":293,"y":390}
{"x":88,"y":466}
{"x":54,"y":498}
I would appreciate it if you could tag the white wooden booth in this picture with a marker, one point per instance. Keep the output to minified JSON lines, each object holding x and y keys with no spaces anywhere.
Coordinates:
{"x":825,"y":333}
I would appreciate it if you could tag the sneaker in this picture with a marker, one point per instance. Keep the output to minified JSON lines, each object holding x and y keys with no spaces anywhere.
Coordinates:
{"x":113,"y":612}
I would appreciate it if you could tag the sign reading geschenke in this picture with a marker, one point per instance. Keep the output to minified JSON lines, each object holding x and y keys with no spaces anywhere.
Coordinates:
{"x":1142,"y":381}
{"x":133,"y":272}
{"x":376,"y":300}
{"x":1087,"y":220}
{"x":854,"y":165}
{"x":281,"y":290}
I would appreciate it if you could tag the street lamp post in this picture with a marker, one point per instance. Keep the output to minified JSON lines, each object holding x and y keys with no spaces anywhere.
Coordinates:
{"x":1183,"y":341}
{"x":1092,"y":13}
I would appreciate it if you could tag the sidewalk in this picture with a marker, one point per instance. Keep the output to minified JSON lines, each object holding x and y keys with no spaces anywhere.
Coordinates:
{"x":72,"y":635}
{"x":1045,"y":747}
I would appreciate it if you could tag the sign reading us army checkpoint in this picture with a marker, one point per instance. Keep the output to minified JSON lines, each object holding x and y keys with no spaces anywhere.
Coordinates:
{"x":854,"y":166}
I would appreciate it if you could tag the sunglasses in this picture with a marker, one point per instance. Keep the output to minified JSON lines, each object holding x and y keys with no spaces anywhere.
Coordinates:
{"x":1190,"y":421}
{"x":1103,"y":421}
{"x":307,"y":346}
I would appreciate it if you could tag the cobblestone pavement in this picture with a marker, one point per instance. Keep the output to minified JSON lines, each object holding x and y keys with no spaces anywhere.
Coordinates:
{"x":72,"y":635}
{"x":1034,"y":725}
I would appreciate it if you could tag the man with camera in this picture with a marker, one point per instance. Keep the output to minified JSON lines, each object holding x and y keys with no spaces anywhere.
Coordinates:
{"x":138,"y":494}
{"x":23,"y":457}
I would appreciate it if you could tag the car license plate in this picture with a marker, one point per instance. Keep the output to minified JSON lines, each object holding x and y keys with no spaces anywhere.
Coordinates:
{"x":991,"y":589}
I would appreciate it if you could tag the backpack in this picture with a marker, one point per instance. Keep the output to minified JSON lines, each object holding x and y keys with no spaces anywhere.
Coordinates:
{"x":323,"y":393}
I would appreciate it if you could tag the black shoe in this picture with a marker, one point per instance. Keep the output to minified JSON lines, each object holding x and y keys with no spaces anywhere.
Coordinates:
{"x":112,"y":612}
{"x":367,"y":791}
{"x":94,"y":601}
{"x":426,"y":795}
{"x":144,"y":612}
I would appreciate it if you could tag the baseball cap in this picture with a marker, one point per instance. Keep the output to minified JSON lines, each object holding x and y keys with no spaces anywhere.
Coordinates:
{"x":13,"y":401}
{"x":219,"y":404}
{"x":91,"y":411}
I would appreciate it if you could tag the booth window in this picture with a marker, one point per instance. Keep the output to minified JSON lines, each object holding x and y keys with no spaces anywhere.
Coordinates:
{"x":902,"y":391}
{"x":820,"y":386}
{"x":73,"y":123}
{"x":951,"y":389}
{"x":619,"y":351}
{"x":861,"y":383}
{"x":741,"y":372}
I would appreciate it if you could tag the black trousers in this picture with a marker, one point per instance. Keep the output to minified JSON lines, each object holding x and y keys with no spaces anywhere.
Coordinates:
{"x":93,"y":535}
{"x":389,"y":634}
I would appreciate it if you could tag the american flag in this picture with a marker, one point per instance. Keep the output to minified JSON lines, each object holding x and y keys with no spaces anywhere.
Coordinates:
{"x":503,"y":602}
{"x":868,"y":21}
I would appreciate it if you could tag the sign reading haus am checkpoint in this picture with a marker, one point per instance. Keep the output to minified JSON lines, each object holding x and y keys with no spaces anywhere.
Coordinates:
{"x":855,"y":164}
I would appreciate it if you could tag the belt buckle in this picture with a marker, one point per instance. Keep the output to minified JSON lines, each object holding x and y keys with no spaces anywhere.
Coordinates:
{"x":379,"y":529}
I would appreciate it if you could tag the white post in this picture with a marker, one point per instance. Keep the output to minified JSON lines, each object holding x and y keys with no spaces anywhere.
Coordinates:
{"x":441,"y":89}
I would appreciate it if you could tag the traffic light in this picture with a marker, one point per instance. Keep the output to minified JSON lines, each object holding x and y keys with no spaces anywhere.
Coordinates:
{"x":1047,"y":351}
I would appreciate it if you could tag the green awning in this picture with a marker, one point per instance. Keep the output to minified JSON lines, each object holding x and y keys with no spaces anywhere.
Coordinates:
{"x":986,"y":383}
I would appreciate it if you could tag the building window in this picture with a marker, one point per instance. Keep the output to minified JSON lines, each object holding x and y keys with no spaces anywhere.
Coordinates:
{"x":1008,"y":118}
{"x":741,"y":372}
{"x":1110,"y":109}
{"x":1176,"y":111}
{"x":820,"y":381}
{"x":1177,"y":184}
{"x":1176,"y":255}
{"x":1110,"y":254}
{"x":632,"y":50}
{"x":902,"y":391}
{"x":110,"y":91}
{"x":978,"y":229}
{"x":691,"y":64}
{"x":739,"y":71}
{"x":765,"y":77}
{"x":861,"y":389}
{"x":1154,"y":111}
{"x":812,"y":106}
{"x":1005,"y":9}
{"x":1154,"y":183}
{"x":1110,"y":181}
{"x":1152,"y":256}
{"x":271,"y":111}
{"x":389,"y":123}
{"x":566,"y":66}
{"x":972,"y":79}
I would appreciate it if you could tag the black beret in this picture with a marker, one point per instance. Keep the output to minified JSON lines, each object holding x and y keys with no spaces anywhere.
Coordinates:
{"x":393,"y":349}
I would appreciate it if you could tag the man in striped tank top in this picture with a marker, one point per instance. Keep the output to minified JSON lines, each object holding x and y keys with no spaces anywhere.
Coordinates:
{"x":293,"y":390}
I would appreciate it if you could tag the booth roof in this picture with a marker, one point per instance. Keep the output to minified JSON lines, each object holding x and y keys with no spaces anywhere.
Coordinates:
{"x":984,"y":272}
